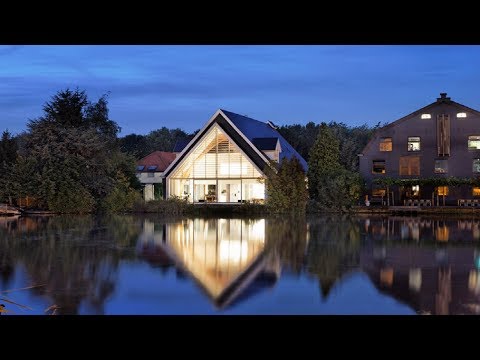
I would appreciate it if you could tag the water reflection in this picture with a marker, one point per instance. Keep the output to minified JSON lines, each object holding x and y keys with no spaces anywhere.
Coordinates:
{"x":226,"y":257}
{"x":430,"y":264}
{"x":72,"y":260}
{"x":89,"y":265}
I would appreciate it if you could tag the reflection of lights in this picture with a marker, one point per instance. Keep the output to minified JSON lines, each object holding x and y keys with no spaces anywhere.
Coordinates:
{"x":233,"y":250}
{"x":258,"y":230}
{"x":386,"y":276}
{"x":415,"y":279}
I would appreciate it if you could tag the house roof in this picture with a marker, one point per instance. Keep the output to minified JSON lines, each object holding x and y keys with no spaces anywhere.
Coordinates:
{"x":269,"y":143}
{"x":253,"y":129}
{"x":247,"y":130}
{"x":180,"y":144}
{"x":160,"y":159}
{"x":443,"y":99}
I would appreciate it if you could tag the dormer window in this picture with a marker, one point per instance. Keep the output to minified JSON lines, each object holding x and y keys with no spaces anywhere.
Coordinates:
{"x":426,"y":116}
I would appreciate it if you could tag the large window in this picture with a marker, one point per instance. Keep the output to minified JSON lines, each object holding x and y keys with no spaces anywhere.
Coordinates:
{"x":378,"y":167}
{"x":441,"y":166}
{"x":413,"y":143}
{"x":216,"y":170}
{"x":474,"y":142}
{"x":386,"y":144}
{"x":409,"y":165}
{"x":476,"y":166}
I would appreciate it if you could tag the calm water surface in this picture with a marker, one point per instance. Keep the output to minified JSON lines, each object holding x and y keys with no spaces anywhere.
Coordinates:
{"x":320,"y":265}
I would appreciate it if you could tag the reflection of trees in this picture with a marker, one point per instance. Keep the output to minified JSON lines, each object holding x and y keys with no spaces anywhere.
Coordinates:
{"x":333,"y":249}
{"x":76,"y":258}
{"x":287,"y":237}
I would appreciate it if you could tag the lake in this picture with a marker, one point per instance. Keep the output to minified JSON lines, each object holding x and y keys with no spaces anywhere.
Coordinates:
{"x":153,"y":265}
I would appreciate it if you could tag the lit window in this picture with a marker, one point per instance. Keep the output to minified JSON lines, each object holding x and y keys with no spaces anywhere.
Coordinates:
{"x":386,"y":144}
{"x":426,"y":116}
{"x":442,"y":190}
{"x":462,"y":115}
{"x":378,"y":167}
{"x":140,"y":167}
{"x":379,"y":192}
{"x":476,"y":191}
{"x":409,"y":165}
{"x":476,"y":166}
{"x":414,"y":143}
{"x":415,"y":190}
{"x":441,"y":166}
{"x":474,"y":142}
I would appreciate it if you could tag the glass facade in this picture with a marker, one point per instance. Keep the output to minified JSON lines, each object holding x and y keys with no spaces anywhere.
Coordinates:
{"x":216,"y":170}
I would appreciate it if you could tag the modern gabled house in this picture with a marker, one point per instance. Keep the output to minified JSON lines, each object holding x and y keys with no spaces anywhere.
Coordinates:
{"x":150,"y":173}
{"x":439,"y":140}
{"x":226,"y":160}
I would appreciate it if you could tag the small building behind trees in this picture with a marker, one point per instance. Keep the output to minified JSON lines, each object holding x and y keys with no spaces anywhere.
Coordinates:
{"x":150,"y":173}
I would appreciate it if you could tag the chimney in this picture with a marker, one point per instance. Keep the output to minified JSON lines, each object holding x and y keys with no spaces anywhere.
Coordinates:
{"x":443,"y":98}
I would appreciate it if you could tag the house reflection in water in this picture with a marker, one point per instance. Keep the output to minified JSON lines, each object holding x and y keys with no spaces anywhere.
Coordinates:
{"x":226,"y":257}
{"x":432,"y":265}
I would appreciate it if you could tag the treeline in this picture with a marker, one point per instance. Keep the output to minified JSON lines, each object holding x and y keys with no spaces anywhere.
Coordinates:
{"x":351,"y":140}
{"x":163,"y":139}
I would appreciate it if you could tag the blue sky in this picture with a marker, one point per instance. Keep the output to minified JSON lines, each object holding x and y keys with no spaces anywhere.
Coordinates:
{"x":182,"y":86}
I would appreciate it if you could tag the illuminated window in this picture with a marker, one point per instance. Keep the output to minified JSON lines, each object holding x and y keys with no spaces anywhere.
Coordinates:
{"x":426,"y":116}
{"x":409,"y":165}
{"x":379,"y":192}
{"x":476,"y":166}
{"x":474,"y":142}
{"x":462,"y":115}
{"x":441,"y":166}
{"x":415,"y":190}
{"x":386,"y":144}
{"x":378,"y":167}
{"x":442,"y":190}
{"x":414,"y":143}
{"x":476,"y":191}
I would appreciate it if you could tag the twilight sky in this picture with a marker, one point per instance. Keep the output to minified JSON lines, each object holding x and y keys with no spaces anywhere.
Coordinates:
{"x":182,"y":86}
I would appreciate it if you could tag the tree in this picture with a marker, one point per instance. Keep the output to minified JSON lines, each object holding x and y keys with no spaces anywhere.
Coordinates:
{"x":286,"y":188}
{"x":135,"y":145}
{"x":72,"y":156}
{"x":8,"y":156}
{"x":323,"y":161}
{"x":164,"y":139}
{"x":331,"y":186}
{"x":8,"y":148}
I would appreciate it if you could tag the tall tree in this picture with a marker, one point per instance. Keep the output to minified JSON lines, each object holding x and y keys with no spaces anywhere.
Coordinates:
{"x":8,"y":148}
{"x":331,"y":186}
{"x":324,"y":160}
{"x":8,"y":156}
{"x":73,"y":155}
